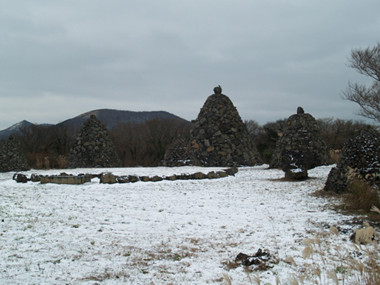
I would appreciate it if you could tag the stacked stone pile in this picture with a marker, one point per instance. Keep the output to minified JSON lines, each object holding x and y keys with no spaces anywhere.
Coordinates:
{"x":177,"y":154}
{"x":93,"y":147}
{"x":12,"y":158}
{"x":359,"y":159}
{"x":300,"y":147}
{"x":219,"y":137}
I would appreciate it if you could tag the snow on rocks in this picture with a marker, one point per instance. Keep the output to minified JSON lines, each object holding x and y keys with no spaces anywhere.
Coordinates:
{"x":179,"y":232}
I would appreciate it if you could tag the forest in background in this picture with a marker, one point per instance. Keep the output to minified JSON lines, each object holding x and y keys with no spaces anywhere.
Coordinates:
{"x":145,"y":144}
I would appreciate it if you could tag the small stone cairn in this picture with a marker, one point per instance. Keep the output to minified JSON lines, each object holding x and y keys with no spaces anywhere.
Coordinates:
{"x":359,"y":160}
{"x":93,"y":147}
{"x":12,"y":158}
{"x":300,"y":147}
{"x":219,"y":137}
{"x":178,"y":153}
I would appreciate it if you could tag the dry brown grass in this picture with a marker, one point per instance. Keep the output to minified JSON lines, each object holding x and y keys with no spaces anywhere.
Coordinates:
{"x":361,"y":196}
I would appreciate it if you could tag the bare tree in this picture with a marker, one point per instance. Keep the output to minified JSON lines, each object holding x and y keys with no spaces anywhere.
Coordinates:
{"x":366,"y":62}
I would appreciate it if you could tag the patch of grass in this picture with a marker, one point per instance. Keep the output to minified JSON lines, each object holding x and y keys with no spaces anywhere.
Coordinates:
{"x":361,"y":196}
{"x":360,"y":200}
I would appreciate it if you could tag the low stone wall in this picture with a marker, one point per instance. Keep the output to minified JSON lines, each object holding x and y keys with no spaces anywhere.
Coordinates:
{"x":109,"y":178}
{"x":66,"y":179}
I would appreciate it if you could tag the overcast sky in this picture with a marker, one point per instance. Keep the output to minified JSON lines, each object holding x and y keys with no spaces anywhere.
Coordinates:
{"x":59,"y":59}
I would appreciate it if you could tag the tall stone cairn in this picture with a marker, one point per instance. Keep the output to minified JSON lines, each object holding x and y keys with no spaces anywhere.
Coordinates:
{"x":219,"y":137}
{"x":300,"y":147}
{"x":12,"y":158}
{"x":93,"y":147}
{"x":360,"y":160}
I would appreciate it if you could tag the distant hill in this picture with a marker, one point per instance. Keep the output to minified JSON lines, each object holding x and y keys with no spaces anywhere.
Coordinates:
{"x":110,"y":118}
{"x":15,"y":129}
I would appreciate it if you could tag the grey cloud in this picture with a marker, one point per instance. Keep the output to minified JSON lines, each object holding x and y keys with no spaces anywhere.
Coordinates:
{"x":269,"y":56}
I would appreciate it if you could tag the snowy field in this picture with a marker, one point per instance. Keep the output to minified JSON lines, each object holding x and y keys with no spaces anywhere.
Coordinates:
{"x":174,"y":232}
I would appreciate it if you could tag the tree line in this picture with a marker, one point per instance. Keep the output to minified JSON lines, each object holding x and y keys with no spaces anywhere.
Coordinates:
{"x":145,"y":144}
{"x":137,"y":144}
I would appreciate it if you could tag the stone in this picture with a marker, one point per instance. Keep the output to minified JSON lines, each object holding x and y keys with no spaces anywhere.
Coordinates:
{"x":300,"y":147}
{"x":184,"y":177}
{"x":218,"y":90}
{"x":156,"y":178}
{"x":35,"y":178}
{"x":171,"y":177}
{"x":12,"y":157}
{"x":359,"y":160}
{"x":144,"y":178}
{"x":108,"y":178}
{"x":300,"y":111}
{"x":122,"y":179}
{"x":222,"y":174}
{"x":20,"y":178}
{"x":296,"y":174}
{"x":212,"y":175}
{"x":177,"y":153}
{"x":93,"y":147}
{"x":65,"y":179}
{"x":199,"y":175}
{"x":133,"y":178}
{"x":262,"y":260}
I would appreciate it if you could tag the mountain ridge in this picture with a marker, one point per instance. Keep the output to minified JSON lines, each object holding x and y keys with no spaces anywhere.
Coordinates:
{"x":109,"y":117}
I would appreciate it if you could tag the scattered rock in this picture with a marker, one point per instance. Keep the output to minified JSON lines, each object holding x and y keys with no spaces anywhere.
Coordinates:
{"x":261,"y":260}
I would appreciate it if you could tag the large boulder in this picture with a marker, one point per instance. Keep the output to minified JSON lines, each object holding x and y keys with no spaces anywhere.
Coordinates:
{"x":93,"y":147}
{"x":300,"y":146}
{"x":359,"y":160}
{"x":12,"y":157}
{"x":219,"y":137}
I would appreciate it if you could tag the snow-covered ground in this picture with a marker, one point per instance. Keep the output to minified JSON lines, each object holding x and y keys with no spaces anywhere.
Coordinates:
{"x":173,"y":232}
